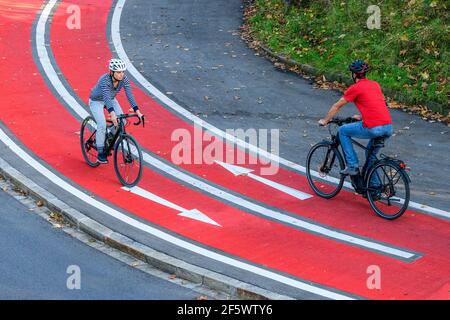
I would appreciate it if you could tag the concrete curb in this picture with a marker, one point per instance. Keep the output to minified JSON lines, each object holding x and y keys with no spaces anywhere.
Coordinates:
{"x":235,"y":289}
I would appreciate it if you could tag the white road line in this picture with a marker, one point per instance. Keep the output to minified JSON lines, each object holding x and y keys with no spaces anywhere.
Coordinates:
{"x":353,"y":240}
{"x":189,"y":213}
{"x":152,"y":90}
{"x":47,"y":66}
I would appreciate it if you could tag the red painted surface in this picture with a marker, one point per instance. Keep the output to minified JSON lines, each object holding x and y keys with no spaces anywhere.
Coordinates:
{"x":40,"y":122}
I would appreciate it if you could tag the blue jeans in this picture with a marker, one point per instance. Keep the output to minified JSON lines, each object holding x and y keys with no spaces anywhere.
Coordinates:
{"x":356,"y":130}
{"x":99,"y":116}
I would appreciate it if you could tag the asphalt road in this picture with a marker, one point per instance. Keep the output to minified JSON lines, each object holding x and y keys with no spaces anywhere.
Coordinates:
{"x":35,"y":260}
{"x":193,"y":50}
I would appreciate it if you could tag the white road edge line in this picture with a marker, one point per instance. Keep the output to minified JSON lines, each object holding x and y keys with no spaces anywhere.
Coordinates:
{"x":352,"y":240}
{"x":117,"y":42}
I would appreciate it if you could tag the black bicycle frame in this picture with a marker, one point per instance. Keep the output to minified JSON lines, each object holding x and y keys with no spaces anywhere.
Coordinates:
{"x":120,"y":131}
{"x":359,"y":180}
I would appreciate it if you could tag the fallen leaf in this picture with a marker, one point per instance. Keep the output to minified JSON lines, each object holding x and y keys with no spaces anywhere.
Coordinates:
{"x":425,"y":75}
{"x":404,"y":37}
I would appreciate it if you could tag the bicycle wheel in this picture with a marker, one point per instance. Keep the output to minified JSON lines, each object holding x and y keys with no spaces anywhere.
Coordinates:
{"x":387,"y":190}
{"x":322,"y":170}
{"x":87,"y":141}
{"x":128,"y":161}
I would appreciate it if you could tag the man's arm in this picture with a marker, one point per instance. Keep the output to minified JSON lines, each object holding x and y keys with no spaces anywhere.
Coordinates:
{"x":333,"y":110}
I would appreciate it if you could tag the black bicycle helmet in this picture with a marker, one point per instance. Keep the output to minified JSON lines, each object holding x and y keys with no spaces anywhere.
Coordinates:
{"x":358,"y":66}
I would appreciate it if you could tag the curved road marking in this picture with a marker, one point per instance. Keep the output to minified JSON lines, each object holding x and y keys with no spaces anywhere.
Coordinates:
{"x":117,"y":43}
{"x":307,"y":226}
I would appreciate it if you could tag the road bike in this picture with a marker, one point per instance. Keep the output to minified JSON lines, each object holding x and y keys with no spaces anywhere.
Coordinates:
{"x":127,"y":153}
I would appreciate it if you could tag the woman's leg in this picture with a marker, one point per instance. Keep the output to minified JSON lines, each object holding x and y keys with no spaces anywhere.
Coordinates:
{"x":99,"y":116}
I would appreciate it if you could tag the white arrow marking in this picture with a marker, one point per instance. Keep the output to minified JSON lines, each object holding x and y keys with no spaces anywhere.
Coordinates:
{"x":197,"y":215}
{"x":237,"y":171}
{"x":192,"y":214}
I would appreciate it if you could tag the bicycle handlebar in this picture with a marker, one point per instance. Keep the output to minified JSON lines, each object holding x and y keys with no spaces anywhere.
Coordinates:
{"x":125,"y":116}
{"x":341,"y":121}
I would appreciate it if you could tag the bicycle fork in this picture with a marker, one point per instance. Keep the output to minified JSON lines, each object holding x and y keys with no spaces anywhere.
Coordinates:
{"x":325,"y":167}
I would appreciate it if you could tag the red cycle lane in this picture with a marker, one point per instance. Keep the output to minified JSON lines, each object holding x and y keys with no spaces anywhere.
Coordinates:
{"x":42,"y":124}
{"x":88,"y":48}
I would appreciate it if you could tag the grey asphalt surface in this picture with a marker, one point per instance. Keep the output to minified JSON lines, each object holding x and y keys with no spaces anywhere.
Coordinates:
{"x":193,"y":49}
{"x":34,"y":259}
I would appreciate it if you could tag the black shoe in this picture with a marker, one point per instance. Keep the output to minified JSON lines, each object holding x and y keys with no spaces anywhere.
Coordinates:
{"x":101,"y":157}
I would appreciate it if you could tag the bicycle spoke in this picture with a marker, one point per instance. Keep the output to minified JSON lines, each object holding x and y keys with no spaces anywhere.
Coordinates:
{"x":323,"y":159}
{"x":397,"y":173}
{"x":88,"y":141}
{"x":394,"y":187}
{"x":127,"y":164}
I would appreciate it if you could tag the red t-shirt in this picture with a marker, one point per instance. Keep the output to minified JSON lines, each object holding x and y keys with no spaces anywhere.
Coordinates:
{"x":368,"y":98}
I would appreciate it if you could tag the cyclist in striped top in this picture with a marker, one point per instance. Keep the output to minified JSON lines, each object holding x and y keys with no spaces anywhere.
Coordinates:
{"x":103,"y":96}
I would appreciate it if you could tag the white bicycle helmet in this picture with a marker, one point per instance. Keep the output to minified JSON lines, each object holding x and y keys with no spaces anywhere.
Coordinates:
{"x":117,"y":65}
